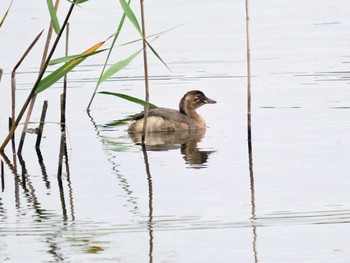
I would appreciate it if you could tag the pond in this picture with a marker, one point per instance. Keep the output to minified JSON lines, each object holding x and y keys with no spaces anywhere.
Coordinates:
{"x":204,"y":200}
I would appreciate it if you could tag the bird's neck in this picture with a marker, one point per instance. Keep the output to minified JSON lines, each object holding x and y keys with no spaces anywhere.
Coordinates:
{"x":191,"y":112}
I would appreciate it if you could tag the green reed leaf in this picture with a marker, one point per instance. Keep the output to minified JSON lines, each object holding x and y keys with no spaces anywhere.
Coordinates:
{"x":116,"y":35}
{"x":129,"y":98}
{"x":53,"y":14}
{"x":77,"y":2}
{"x":72,"y":57}
{"x":130,"y":14}
{"x":59,"y":73}
{"x":6,"y":13}
{"x":55,"y":76}
{"x":80,"y":1}
{"x":157,"y":55}
{"x":117,"y":67}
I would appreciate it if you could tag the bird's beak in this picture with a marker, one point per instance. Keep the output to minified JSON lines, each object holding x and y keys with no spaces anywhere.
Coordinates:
{"x":209,"y":101}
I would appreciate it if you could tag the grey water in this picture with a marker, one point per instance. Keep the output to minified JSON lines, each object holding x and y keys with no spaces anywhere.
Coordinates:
{"x":207,"y":199}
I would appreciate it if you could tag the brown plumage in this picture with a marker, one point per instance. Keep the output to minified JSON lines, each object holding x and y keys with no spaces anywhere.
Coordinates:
{"x":169,"y":120}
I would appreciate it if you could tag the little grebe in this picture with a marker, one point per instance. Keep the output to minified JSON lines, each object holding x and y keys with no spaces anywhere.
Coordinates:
{"x":168,"y":120}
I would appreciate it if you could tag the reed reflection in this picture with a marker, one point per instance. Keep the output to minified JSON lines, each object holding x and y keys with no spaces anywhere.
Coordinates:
{"x":43,"y":169}
{"x":27,"y":186}
{"x":150,"y":203}
{"x":63,"y":157}
{"x":109,"y":145}
{"x":13,"y":169}
{"x":187,"y":141}
{"x":23,"y":180}
{"x":30,"y":191}
{"x":2,"y":210}
{"x":2,"y":176}
{"x":252,"y":199}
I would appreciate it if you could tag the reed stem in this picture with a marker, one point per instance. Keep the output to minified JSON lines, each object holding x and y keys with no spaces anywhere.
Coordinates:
{"x":144,"y":44}
{"x":64,"y":94}
{"x":32,"y":102}
{"x":25,"y":125}
{"x":249,"y":74}
{"x":41,"y":125}
{"x":2,"y":177}
{"x":32,"y":92}
{"x":13,"y":74}
{"x":120,"y":26}
{"x":13,"y":143}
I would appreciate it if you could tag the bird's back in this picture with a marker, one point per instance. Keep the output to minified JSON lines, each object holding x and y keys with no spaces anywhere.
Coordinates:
{"x":163,"y":120}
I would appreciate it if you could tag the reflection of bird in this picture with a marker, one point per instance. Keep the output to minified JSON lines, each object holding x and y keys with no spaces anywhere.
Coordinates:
{"x":185,"y":140}
{"x":163,"y":141}
{"x":168,"y":120}
{"x":193,"y":155}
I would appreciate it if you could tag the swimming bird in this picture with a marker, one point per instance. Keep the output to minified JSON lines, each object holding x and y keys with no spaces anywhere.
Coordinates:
{"x":169,"y":120}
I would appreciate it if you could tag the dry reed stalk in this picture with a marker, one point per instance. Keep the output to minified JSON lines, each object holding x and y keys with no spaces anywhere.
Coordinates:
{"x":32,"y":102}
{"x":2,"y":176}
{"x":249,"y":74}
{"x":249,"y":121}
{"x":13,"y":144}
{"x":13,"y":84}
{"x":144,"y":44}
{"x":32,"y":92}
{"x":13,"y":74}
{"x":64,"y":95}
{"x":41,"y":125}
{"x":25,"y":125}
{"x":63,"y":117}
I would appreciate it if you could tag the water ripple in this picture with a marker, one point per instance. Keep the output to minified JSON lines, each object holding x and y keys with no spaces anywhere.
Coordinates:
{"x":174,"y":223}
{"x":305,"y":218}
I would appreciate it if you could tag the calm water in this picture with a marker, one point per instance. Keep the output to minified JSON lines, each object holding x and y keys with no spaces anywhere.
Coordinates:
{"x":200,"y":202}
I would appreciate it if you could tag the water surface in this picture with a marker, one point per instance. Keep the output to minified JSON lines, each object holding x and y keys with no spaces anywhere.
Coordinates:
{"x":116,"y":202}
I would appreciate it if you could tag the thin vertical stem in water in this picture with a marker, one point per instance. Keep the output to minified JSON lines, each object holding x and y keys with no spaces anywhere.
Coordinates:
{"x":248,"y":73}
{"x":25,"y":125}
{"x":13,"y":74}
{"x":249,"y":127}
{"x":42,"y":65}
{"x":64,"y":95}
{"x":250,"y":148}
{"x":32,"y":92}
{"x":13,"y":95}
{"x":63,"y":117}
{"x":2,"y":176}
{"x":146,"y":72}
{"x":41,"y":125}
{"x":13,"y":144}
